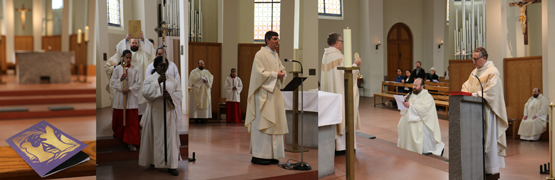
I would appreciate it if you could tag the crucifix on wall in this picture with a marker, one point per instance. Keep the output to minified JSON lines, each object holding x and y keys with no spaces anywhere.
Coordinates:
{"x":23,"y":10}
{"x":523,"y":15}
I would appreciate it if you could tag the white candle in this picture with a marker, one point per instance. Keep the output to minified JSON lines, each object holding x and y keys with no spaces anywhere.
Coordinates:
{"x":473,"y":34}
{"x":347,"y":47}
{"x":79,"y":36}
{"x":86,"y":33}
{"x":296,"y":66}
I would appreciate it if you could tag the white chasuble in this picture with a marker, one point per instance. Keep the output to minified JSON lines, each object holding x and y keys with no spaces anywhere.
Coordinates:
{"x":265,"y":118}
{"x":494,"y":109}
{"x":200,"y":101}
{"x":530,"y":128}
{"x":419,"y":126}
{"x":332,"y":80}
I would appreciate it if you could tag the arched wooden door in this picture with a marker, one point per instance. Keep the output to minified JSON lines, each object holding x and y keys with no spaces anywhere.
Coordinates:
{"x":399,"y":50}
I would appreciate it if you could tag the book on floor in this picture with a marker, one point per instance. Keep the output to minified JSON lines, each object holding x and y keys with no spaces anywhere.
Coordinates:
{"x":47,"y":149}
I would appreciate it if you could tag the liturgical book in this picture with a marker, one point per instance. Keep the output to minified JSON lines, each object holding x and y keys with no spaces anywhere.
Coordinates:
{"x":47,"y":149}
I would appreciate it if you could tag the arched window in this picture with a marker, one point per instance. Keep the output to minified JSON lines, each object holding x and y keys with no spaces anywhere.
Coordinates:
{"x":266,"y":17}
{"x":114,"y":17}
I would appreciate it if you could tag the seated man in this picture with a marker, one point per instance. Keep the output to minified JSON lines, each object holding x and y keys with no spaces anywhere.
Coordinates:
{"x":532,"y":127}
{"x":419,"y":127}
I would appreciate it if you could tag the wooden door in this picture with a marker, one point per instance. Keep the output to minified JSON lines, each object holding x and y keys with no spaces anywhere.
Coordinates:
{"x":246,"y":52}
{"x":399,"y":50}
{"x":211,"y":54}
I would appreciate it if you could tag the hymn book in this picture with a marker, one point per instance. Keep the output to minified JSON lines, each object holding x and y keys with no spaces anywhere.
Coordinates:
{"x":47,"y":149}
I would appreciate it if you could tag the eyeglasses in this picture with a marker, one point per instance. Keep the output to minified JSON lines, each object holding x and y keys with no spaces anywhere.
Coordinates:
{"x":476,"y":59}
{"x":340,"y":40}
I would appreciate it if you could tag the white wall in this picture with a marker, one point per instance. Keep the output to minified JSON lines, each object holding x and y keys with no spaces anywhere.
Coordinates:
{"x":495,"y":33}
{"x":230,"y":40}
{"x":245,"y":22}
{"x":411,"y":13}
{"x":372,"y":31}
{"x":115,"y":35}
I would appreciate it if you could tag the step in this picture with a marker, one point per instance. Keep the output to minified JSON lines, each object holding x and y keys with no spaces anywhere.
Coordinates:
{"x":47,"y":99}
{"x":43,"y":111}
{"x":11,"y":93}
{"x":111,"y":149}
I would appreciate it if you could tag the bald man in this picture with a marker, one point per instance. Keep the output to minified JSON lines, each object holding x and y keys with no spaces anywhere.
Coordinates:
{"x":419,"y":126}
{"x":200,"y":104}
{"x":534,"y":122}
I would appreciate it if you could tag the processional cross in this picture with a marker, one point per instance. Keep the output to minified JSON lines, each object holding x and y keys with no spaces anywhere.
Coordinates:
{"x":523,"y":13}
{"x":23,"y":10}
{"x":163,"y":29}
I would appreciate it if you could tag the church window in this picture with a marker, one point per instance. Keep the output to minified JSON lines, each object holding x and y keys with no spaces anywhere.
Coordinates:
{"x":266,"y":17}
{"x":329,"y":7}
{"x":114,"y":18}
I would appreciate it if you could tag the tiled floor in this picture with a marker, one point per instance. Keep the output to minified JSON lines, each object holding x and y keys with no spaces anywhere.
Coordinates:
{"x":81,"y":128}
{"x":222,"y":151}
{"x":381,"y":159}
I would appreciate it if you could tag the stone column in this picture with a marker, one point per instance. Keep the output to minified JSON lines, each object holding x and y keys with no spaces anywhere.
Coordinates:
{"x":37,"y":25}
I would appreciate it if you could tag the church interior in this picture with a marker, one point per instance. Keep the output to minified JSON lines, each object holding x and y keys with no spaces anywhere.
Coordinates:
{"x":52,"y":67}
{"x":47,"y":72}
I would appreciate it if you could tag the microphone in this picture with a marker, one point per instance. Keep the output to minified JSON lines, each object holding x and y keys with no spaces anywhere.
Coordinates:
{"x":408,"y":96}
{"x":291,"y":60}
{"x":483,"y":130}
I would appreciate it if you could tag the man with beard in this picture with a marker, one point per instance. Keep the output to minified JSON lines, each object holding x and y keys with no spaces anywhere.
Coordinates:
{"x":200,"y":104}
{"x":534,"y":122}
{"x":141,"y":58}
{"x":419,"y":127}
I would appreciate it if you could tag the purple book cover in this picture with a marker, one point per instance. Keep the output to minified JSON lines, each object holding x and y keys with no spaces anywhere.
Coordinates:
{"x":44,"y":147}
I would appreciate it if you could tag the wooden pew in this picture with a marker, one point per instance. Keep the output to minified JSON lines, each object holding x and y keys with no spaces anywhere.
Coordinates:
{"x":439,"y":93}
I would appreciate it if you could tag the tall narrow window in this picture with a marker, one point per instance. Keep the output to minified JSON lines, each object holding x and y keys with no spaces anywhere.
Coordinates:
{"x":329,"y":7}
{"x":266,"y":17}
{"x":447,"y":11}
{"x":114,"y":18}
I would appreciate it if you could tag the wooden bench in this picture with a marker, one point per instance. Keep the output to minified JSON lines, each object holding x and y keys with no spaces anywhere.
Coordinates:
{"x":444,"y":104}
{"x":14,"y":167}
{"x":387,"y":94}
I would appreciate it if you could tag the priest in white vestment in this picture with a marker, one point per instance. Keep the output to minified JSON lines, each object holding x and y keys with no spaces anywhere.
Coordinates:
{"x":265,"y":119}
{"x":419,"y":127}
{"x":109,"y":68}
{"x":494,"y":109}
{"x":141,"y":51}
{"x":534,"y":122}
{"x":152,"y":134}
{"x":200,"y":100}
{"x":332,"y":80}
{"x":233,"y":88}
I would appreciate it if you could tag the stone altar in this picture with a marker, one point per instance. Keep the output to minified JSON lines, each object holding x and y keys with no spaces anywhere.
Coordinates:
{"x":53,"y":67}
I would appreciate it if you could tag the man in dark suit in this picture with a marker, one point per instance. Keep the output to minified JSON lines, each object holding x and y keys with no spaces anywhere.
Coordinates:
{"x":418,"y":72}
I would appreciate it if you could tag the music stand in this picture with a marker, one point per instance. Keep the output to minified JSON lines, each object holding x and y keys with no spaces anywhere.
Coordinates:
{"x":293,"y":85}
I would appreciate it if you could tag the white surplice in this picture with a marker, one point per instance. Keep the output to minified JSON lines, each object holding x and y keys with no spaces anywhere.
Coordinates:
{"x":233,"y":95}
{"x":133,"y":83}
{"x":152,"y":134}
{"x":141,"y":59}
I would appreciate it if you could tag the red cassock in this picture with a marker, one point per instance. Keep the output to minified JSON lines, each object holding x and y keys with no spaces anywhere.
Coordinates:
{"x":130,"y":133}
{"x":233,"y":112}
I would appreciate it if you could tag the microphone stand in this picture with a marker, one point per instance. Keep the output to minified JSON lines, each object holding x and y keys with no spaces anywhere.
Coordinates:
{"x":483,"y":132}
{"x":302,"y":165}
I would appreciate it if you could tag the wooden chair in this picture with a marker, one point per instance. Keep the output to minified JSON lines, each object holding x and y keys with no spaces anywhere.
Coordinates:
{"x":514,"y":124}
{"x":221,"y":109}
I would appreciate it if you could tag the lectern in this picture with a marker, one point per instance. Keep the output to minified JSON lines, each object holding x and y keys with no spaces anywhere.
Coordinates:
{"x":465,"y":138}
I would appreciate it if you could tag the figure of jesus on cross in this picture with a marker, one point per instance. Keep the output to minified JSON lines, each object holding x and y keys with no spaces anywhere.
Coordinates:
{"x":23,"y":10}
{"x":522,"y":18}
